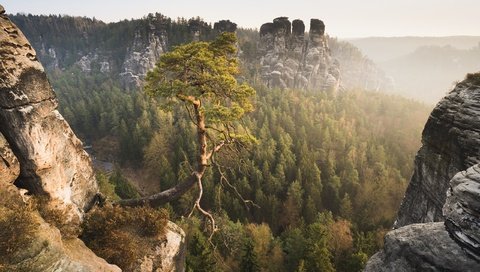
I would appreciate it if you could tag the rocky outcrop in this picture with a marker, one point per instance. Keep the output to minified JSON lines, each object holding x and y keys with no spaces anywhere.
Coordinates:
{"x":289,"y":60}
{"x":169,"y":255}
{"x":40,"y":153}
{"x":421,"y":247}
{"x":142,"y":55}
{"x":46,"y":250}
{"x":453,"y":245}
{"x":451,"y":143}
{"x":462,"y":210}
{"x":52,"y":158}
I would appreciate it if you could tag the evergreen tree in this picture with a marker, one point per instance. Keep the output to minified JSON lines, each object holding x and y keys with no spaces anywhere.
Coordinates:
{"x":249,"y":262}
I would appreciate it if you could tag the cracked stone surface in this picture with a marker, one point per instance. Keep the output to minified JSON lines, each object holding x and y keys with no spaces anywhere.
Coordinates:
{"x":52,"y":158}
{"x":450,"y":144}
{"x":289,"y":60}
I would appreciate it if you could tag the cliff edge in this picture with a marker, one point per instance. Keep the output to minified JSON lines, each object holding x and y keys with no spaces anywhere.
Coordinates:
{"x":444,"y":187}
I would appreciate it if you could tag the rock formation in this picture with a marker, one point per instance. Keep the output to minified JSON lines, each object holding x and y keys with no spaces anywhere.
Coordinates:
{"x":9,"y":166}
{"x":39,"y":153}
{"x":52,"y":158}
{"x":142,"y":55}
{"x":451,"y":143}
{"x":46,"y":250}
{"x":421,"y":247}
{"x":289,"y":60}
{"x":462,"y":209}
{"x":169,"y":255}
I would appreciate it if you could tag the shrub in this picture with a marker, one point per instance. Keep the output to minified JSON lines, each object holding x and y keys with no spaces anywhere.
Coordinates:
{"x":17,"y":229}
{"x":123,"y":188}
{"x":106,"y":187}
{"x":58,"y":217}
{"x":123,"y":235}
{"x":474,"y":78}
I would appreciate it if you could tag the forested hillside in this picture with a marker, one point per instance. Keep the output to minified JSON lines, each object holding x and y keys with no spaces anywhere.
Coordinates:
{"x":325,"y":177}
{"x":323,"y":167}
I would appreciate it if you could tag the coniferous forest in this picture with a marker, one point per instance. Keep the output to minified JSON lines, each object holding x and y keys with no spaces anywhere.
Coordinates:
{"x":316,"y":191}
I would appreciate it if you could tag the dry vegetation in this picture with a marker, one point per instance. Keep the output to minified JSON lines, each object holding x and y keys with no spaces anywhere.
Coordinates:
{"x":474,"y":78}
{"x":17,"y":228}
{"x":122,"y":236}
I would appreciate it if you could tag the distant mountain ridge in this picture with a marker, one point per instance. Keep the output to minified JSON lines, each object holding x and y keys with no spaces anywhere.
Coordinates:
{"x":424,"y":68}
{"x":381,"y":49}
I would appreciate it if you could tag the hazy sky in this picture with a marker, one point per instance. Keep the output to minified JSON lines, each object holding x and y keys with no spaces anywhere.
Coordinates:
{"x":343,"y":18}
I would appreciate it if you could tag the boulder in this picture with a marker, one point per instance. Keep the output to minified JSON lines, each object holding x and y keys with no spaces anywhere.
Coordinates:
{"x":169,"y":255}
{"x":462,"y":210}
{"x":421,"y":247}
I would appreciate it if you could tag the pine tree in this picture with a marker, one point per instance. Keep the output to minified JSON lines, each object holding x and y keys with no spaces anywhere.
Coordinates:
{"x":249,"y":261}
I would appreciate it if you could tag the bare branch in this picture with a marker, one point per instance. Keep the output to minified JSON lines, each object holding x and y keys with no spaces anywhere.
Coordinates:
{"x":224,"y":179}
{"x":216,"y":149}
{"x":200,"y":209}
{"x":190,"y":114}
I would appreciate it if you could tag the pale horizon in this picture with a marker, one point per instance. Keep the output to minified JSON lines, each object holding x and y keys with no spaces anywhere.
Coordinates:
{"x":347,"y":19}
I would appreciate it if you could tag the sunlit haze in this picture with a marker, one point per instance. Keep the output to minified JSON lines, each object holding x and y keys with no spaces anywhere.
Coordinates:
{"x":347,"y":18}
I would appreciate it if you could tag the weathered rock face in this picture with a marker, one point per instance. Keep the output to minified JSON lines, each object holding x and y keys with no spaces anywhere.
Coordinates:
{"x":451,"y":143}
{"x":9,"y":166}
{"x":290,"y":61}
{"x":142,"y":55}
{"x":462,"y":210}
{"x":421,"y":247}
{"x":39,"y":152}
{"x":52,"y":158}
{"x":169,"y":255}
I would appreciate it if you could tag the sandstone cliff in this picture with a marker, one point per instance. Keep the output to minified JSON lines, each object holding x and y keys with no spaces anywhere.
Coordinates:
{"x":125,"y":50}
{"x":42,"y":159}
{"x":290,"y":60}
{"x":451,"y":142}
{"x":43,"y":249}
{"x":52,"y":158}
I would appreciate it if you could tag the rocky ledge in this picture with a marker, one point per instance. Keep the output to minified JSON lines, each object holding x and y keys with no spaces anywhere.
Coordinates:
{"x":451,"y":143}
{"x":421,"y":247}
{"x":462,"y":210}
